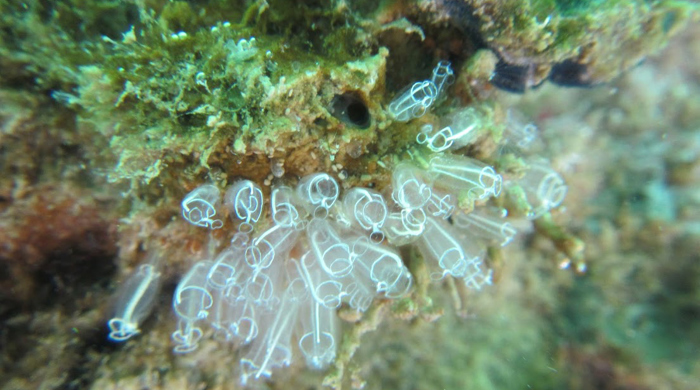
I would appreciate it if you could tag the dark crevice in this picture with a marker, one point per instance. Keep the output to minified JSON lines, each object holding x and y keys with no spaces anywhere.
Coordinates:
{"x":352,"y":110}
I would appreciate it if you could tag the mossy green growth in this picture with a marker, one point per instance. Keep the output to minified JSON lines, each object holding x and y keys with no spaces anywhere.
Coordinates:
{"x":174,"y":86}
{"x":571,"y":7}
{"x":185,"y":79}
{"x":605,"y":37}
{"x":516,"y":201}
{"x":404,"y":308}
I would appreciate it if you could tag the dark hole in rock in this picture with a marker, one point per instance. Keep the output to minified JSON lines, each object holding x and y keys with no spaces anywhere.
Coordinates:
{"x":351,"y":110}
{"x":569,"y":73}
{"x":514,"y":78}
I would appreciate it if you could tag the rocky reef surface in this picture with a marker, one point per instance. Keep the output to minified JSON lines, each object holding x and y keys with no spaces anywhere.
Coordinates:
{"x":112,"y":111}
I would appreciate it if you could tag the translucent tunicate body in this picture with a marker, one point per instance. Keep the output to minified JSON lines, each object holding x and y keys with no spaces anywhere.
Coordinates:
{"x":487,"y":224}
{"x":367,"y":209}
{"x":437,"y":141}
{"x":226,"y":268}
{"x":273,"y":346}
{"x":191,"y":303}
{"x":135,"y":302}
{"x":441,"y":204}
{"x":263,"y":287}
{"x":476,"y":276}
{"x":332,"y":253}
{"x":447,"y":253}
{"x":285,"y":209}
{"x":383,"y":266}
{"x":404,"y":227}
{"x":545,"y":189}
{"x":414,"y":102}
{"x":200,"y":206}
{"x":518,"y":132}
{"x":318,"y":192}
{"x":459,"y":173}
{"x":411,"y":191}
{"x":465,"y":125}
{"x":242,"y":318}
{"x":324,"y":289}
{"x":460,"y":133}
{"x":273,"y":243}
{"x":443,"y":75}
{"x":244,"y":200}
{"x":319,"y":334}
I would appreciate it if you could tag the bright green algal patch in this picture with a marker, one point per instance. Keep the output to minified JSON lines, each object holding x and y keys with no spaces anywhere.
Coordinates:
{"x":574,"y":7}
{"x":568,"y":7}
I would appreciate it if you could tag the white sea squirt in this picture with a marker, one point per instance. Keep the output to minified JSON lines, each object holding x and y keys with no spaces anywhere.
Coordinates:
{"x":135,"y":302}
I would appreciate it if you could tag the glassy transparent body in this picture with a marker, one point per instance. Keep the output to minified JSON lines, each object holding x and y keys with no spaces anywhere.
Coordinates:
{"x":544,"y":187}
{"x":414,"y":102}
{"x":191,"y":303}
{"x":319,"y":336}
{"x":273,"y":243}
{"x":273,"y":346}
{"x":518,"y":132}
{"x":285,"y":209}
{"x":445,"y":252}
{"x":411,"y":189}
{"x":487,"y":224}
{"x":459,"y":173}
{"x":318,"y":192}
{"x":367,"y":209}
{"x":200,"y":206}
{"x":443,"y":75}
{"x":244,"y":200}
{"x":135,"y":302}
{"x":226,"y":268}
{"x":332,"y":253}
{"x":324,"y":289}
{"x":383,"y":266}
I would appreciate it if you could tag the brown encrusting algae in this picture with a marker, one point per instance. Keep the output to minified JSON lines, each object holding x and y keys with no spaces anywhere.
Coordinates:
{"x":349,"y":194}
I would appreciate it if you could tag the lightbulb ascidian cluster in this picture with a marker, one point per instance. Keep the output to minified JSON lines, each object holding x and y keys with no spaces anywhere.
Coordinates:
{"x":271,"y":286}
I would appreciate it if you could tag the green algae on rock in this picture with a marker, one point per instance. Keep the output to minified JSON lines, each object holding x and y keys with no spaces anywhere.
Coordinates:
{"x":574,"y":43}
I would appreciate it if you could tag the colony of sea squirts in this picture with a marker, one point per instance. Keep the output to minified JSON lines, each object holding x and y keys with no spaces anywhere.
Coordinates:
{"x":274,"y":292}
